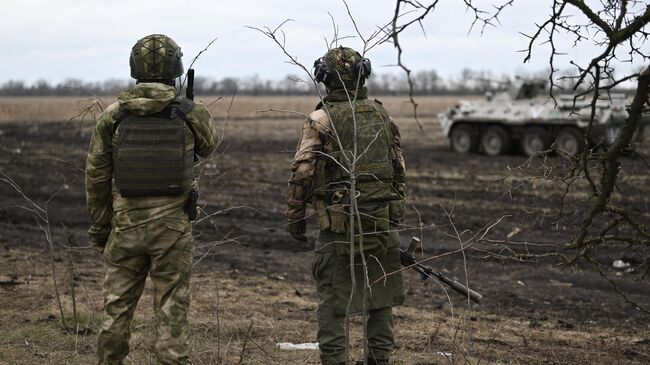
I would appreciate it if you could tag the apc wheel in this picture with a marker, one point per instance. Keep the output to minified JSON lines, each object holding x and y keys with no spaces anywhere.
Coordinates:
{"x":463,"y":139}
{"x":535,"y":139}
{"x":495,"y":140}
{"x":570,"y":140}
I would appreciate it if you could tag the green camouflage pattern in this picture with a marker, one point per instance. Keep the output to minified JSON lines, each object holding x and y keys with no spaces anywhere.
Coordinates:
{"x":343,"y":63}
{"x":314,"y":179}
{"x":307,"y":181}
{"x":378,"y":170}
{"x":374,"y":139}
{"x":164,"y":248}
{"x":156,"y":57}
{"x":106,"y":207}
{"x":143,"y":235}
{"x":150,"y":158}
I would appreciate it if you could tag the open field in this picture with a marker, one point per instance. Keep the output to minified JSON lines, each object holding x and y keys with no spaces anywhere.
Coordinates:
{"x":258,"y":291}
{"x":57,"y":109}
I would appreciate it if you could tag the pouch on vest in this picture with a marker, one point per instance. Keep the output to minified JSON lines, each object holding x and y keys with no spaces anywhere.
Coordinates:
{"x":150,"y":158}
{"x":323,"y":217}
{"x":338,"y":212}
{"x":365,"y":129}
{"x":338,"y":218}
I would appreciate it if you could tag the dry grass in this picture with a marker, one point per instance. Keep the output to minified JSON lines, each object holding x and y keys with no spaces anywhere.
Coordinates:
{"x":54,"y":109}
{"x":231,"y":310}
{"x":43,"y":109}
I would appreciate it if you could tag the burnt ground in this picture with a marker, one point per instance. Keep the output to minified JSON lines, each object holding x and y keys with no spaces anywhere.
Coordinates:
{"x":246,"y":183}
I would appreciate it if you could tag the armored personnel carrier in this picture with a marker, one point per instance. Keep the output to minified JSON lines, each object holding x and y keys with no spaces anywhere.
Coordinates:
{"x":524,"y":117}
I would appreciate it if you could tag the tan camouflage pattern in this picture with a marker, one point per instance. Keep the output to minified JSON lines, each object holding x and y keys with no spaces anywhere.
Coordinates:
{"x":142,"y":235}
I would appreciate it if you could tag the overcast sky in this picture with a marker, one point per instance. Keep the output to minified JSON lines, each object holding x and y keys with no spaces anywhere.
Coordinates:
{"x":91,"y":39}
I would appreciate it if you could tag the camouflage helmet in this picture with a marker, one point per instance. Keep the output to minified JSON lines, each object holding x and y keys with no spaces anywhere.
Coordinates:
{"x":156,"y":57}
{"x":342,"y":67}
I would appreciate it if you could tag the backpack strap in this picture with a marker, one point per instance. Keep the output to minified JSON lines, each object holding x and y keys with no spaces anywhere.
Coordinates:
{"x":181,"y":106}
{"x":121,"y":115}
{"x":185,"y":105}
{"x":178,"y":108}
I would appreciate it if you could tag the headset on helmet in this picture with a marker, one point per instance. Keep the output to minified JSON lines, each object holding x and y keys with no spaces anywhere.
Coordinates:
{"x":325,"y":73}
{"x":365,"y":68}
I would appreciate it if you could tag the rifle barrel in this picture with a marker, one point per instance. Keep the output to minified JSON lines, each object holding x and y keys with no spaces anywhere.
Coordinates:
{"x":408,"y":260}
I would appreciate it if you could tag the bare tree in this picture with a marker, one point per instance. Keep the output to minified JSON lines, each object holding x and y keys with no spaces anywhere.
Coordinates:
{"x":618,"y":31}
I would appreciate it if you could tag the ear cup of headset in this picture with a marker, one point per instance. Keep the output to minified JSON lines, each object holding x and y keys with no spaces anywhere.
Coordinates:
{"x":321,"y":70}
{"x":323,"y":73}
{"x":365,"y":68}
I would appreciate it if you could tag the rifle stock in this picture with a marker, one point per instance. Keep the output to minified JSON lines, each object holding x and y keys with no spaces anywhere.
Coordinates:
{"x":408,"y":260}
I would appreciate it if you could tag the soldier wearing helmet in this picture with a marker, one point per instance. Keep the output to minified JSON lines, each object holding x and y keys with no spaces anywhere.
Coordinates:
{"x":350,"y":148}
{"x":140,"y":192}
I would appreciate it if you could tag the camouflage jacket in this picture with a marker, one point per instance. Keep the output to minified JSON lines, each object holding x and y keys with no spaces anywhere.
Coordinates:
{"x":315,"y":140}
{"x":108,"y":210}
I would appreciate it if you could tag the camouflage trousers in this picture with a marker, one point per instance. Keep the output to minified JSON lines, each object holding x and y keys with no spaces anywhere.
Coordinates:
{"x":331,"y":323}
{"x":163,"y":249}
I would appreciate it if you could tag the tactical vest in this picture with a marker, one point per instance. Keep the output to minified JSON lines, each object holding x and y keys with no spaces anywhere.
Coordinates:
{"x":150,"y":158}
{"x":375,"y":153}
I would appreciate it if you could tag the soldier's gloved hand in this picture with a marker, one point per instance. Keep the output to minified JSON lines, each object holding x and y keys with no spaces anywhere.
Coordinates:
{"x":98,"y":237}
{"x":297,"y":230}
{"x":98,"y":247}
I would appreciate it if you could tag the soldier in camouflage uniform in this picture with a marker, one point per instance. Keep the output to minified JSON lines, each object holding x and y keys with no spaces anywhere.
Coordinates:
{"x":139,"y":183}
{"x":322,"y":175}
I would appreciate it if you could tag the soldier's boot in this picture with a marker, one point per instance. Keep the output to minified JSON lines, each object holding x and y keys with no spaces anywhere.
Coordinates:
{"x":380,"y":335}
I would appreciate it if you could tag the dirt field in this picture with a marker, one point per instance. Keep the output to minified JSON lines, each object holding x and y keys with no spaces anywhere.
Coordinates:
{"x":253,"y":289}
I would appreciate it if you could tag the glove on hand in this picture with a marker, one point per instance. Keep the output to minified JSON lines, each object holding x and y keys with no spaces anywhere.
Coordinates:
{"x":99,"y":248}
{"x":98,"y":237}
{"x":297,"y":230}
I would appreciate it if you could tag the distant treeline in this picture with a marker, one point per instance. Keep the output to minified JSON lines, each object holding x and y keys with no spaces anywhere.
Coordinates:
{"x":467,"y":82}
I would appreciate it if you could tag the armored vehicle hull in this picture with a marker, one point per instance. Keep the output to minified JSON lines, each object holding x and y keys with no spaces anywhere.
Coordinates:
{"x":524,"y":119}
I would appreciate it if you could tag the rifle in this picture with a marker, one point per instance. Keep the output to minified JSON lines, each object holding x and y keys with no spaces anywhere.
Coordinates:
{"x":408,"y":260}
{"x":190,"y":206}
{"x":189,"y":91}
